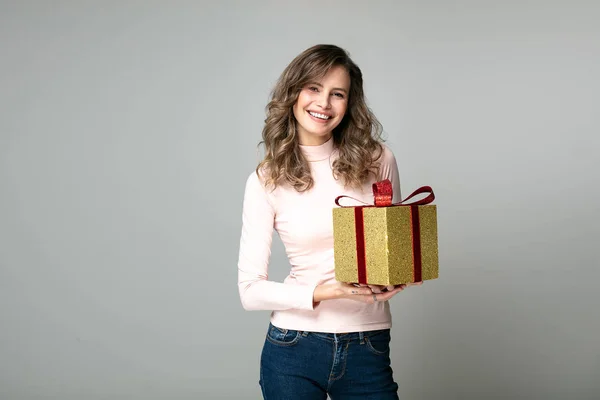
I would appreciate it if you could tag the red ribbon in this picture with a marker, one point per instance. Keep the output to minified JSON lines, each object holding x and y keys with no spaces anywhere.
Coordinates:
{"x":383,"y":194}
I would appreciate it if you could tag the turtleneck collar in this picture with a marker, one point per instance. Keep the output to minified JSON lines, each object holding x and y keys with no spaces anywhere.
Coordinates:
{"x":318,"y":153}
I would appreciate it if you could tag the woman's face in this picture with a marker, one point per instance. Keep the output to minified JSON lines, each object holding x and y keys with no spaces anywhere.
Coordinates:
{"x":321,"y":106}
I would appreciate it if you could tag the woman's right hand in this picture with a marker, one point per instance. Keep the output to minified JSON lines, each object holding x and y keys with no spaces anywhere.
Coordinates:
{"x":379,"y":294}
{"x":365,"y":294}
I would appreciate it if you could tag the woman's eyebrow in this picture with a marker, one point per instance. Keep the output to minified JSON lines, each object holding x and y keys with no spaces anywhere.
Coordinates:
{"x":319,"y":85}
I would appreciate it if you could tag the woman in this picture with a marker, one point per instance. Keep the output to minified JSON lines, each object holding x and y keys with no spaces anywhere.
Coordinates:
{"x":321,"y":141}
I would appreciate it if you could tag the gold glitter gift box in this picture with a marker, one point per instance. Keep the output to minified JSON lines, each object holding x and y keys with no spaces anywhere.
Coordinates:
{"x":385,"y":243}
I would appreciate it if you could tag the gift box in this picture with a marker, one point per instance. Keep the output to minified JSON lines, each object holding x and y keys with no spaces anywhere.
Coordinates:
{"x":386,"y":243}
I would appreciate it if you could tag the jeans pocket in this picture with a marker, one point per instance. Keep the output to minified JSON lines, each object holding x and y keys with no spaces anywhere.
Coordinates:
{"x":379,"y":343}
{"x":283,"y":337}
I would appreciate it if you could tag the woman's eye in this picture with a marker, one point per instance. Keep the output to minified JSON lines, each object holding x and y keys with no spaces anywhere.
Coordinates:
{"x":340,"y":95}
{"x":313,"y":89}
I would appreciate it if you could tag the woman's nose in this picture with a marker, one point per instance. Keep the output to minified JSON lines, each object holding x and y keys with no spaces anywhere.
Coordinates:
{"x":324,"y":100}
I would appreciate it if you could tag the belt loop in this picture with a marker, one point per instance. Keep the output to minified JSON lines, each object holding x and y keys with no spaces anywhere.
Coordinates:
{"x":361,"y":337}
{"x":304,"y":334}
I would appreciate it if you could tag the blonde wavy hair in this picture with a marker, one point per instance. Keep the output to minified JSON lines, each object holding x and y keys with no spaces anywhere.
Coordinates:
{"x":357,"y":137}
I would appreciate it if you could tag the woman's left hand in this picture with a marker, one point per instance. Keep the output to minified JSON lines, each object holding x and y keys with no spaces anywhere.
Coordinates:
{"x":381,"y":296}
{"x":383,"y":288}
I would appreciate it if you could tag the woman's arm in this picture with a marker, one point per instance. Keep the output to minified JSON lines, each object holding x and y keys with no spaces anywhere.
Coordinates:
{"x":256,"y":291}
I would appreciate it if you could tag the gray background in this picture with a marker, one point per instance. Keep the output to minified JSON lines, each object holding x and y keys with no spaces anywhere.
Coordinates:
{"x":127,"y":131}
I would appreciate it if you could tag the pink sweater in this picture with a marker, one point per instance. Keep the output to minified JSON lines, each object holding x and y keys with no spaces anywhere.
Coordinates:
{"x":304,"y":224}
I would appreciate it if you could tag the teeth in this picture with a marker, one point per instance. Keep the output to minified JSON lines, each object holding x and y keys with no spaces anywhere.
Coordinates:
{"x":317,"y":115}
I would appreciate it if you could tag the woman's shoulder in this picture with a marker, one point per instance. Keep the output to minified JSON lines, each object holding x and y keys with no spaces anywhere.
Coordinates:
{"x":257,"y":182}
{"x":387,"y":156}
{"x":256,"y":179}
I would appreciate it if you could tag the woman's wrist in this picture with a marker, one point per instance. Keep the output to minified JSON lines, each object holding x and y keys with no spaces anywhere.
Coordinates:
{"x":323,"y":292}
{"x":318,"y":294}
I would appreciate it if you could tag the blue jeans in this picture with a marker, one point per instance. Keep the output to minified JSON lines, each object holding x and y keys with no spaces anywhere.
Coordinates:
{"x":311,"y":365}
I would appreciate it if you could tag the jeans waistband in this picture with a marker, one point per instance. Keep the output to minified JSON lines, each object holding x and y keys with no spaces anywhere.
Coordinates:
{"x":336,"y":337}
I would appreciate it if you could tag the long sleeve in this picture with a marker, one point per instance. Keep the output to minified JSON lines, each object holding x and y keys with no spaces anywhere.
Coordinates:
{"x":256,"y":291}
{"x":389,"y":170}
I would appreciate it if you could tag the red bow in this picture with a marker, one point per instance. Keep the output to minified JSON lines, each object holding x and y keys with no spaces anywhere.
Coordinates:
{"x":383,"y":193}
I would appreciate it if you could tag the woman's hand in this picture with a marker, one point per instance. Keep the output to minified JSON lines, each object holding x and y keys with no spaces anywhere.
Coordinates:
{"x":382,"y":288}
{"x":363,"y":293}
{"x":339,"y":290}
{"x":379,"y":293}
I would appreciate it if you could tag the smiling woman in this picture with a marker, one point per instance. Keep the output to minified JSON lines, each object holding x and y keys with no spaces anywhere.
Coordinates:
{"x":324,"y":80}
{"x":321,"y":106}
{"x":325,"y":337}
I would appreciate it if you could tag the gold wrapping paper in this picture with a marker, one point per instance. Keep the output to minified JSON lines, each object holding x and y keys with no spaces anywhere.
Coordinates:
{"x":388,"y":244}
